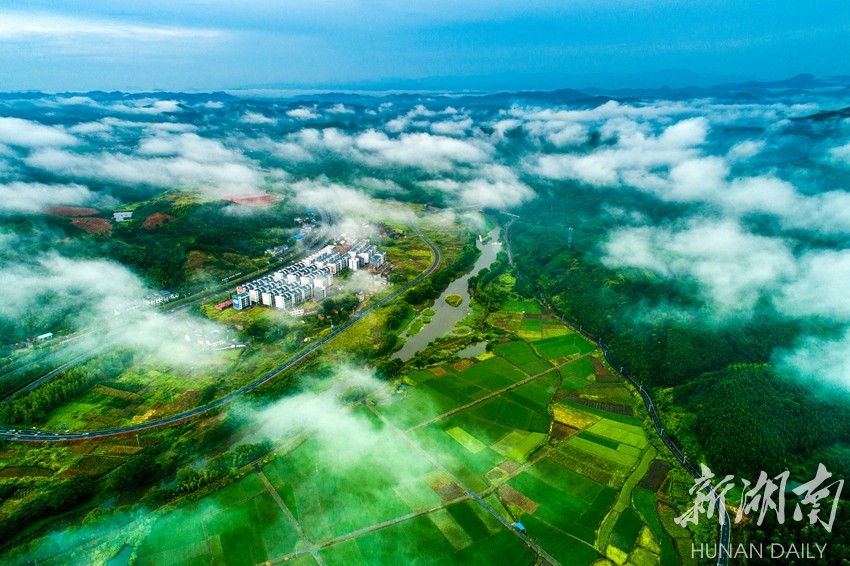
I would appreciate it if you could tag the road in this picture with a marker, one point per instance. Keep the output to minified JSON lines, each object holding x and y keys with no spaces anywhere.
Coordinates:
{"x":24,"y":435}
{"x":723,"y":515}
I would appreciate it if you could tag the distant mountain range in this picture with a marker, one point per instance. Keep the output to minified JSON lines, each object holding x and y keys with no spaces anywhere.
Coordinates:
{"x":837,"y":86}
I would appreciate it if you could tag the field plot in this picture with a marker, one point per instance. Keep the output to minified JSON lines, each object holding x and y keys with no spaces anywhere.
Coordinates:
{"x":531,"y":328}
{"x":459,"y":534}
{"x":524,"y":307}
{"x":444,"y":388}
{"x":328,"y":501}
{"x":521,"y":354}
{"x":563,"y":347}
{"x":240,"y":524}
{"x":575,"y":375}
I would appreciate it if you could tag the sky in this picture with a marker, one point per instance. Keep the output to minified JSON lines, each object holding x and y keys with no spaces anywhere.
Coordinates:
{"x":482,"y":44}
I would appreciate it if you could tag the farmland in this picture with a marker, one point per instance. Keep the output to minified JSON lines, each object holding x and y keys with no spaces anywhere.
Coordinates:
{"x":505,"y":426}
{"x":537,"y":426}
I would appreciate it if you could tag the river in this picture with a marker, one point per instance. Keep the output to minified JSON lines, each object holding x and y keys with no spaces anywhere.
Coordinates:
{"x":445,"y":317}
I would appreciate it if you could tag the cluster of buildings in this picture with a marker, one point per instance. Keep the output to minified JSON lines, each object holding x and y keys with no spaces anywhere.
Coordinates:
{"x":308,"y":279}
{"x":213,"y":339}
{"x":160,"y":297}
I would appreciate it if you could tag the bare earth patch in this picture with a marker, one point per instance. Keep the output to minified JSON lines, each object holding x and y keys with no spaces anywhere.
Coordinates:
{"x":156,"y":220}
{"x":438,"y":371}
{"x":71,"y":211}
{"x":514,"y":497}
{"x":447,"y":490}
{"x":93,"y":225}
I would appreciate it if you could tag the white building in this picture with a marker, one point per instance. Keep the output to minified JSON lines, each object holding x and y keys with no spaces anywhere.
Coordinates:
{"x":310,"y":278}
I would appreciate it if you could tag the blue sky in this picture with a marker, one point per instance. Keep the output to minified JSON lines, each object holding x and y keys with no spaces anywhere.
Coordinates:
{"x":207,"y":44}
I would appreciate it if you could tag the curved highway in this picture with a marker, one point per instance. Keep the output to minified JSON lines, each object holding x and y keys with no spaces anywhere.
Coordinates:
{"x":28,"y":435}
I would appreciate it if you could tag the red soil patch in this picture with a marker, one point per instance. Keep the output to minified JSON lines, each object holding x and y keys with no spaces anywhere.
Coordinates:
{"x":71,"y":211}
{"x":93,"y":225}
{"x":156,"y":220}
{"x":260,"y":199}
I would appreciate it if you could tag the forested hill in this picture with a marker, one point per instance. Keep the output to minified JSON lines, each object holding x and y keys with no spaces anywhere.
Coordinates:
{"x":719,"y":372}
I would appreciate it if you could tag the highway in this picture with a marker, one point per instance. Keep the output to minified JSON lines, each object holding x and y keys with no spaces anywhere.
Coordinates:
{"x":33,"y":435}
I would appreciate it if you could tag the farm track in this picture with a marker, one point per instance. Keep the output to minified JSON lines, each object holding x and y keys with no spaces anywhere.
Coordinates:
{"x":311,"y":548}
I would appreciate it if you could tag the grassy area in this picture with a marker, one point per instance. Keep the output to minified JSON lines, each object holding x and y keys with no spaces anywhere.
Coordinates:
{"x":529,"y":307}
{"x":523,"y":356}
{"x":566,"y":346}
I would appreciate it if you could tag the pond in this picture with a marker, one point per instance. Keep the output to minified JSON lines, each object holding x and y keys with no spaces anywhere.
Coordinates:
{"x":445,"y":316}
{"x":473,"y":350}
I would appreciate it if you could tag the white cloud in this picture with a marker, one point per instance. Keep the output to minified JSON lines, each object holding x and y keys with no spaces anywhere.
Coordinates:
{"x":452,"y":127}
{"x":821,"y":361}
{"x":493,"y":186}
{"x":35,"y":197}
{"x":185,"y":160}
{"x":257,"y":118}
{"x":817,"y":287}
{"x":633,"y":160}
{"x":733,"y":268}
{"x":745,"y":150}
{"x":434,"y":153}
{"x":349,"y":203}
{"x":303,"y":113}
{"x":339,"y":109}
{"x":93,"y":290}
{"x":841,"y":154}
{"x":43,"y":25}
{"x":24,"y":133}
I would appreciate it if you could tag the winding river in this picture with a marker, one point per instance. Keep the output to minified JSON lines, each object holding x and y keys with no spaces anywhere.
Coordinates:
{"x":443,"y":322}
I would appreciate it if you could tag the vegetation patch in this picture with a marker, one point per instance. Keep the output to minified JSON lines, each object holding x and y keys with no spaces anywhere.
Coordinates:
{"x":655,"y":475}
{"x":566,"y":346}
{"x":620,"y":432}
{"x":626,"y":530}
{"x":523,"y":356}
{"x":454,"y":300}
{"x":466,"y":440}
{"x":573,"y":417}
{"x":531,"y":307}
{"x":71,"y":211}
{"x":615,"y":456}
{"x":518,"y":444}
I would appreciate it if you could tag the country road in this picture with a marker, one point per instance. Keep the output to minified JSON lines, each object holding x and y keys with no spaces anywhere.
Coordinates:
{"x":34,"y":435}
